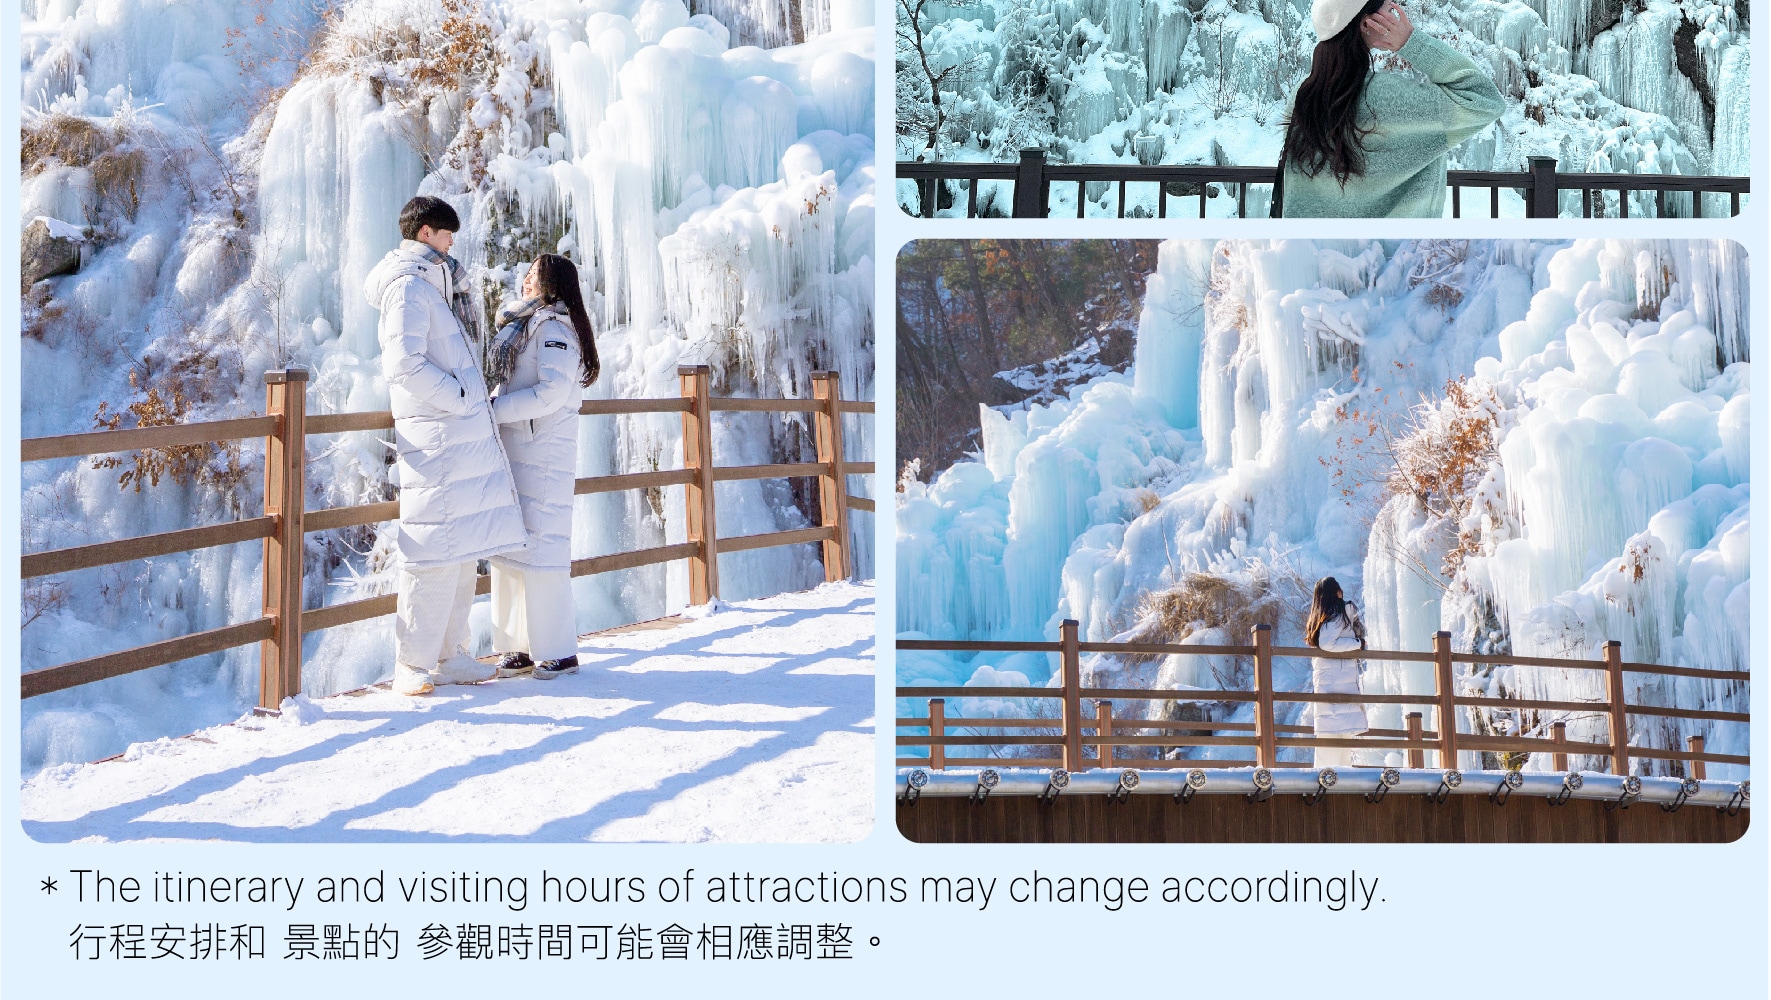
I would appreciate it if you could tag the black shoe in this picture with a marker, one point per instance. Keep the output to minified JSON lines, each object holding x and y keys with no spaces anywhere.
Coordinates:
{"x":547,"y":670}
{"x":515,"y":665}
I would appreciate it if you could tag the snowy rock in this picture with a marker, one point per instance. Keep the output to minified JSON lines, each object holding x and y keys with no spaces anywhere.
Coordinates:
{"x":49,"y":247}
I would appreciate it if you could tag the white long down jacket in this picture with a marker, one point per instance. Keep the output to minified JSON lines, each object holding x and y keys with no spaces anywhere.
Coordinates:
{"x":537,"y":414}
{"x":457,"y":499}
{"x":1337,"y":677}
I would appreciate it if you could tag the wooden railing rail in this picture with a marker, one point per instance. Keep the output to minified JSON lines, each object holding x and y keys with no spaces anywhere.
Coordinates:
{"x":1072,"y":728}
{"x":1540,"y":185}
{"x":286,"y":426}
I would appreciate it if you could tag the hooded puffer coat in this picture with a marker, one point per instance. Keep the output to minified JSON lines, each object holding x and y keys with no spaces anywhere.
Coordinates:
{"x":1337,"y":677}
{"x":457,"y":499}
{"x":537,"y":415}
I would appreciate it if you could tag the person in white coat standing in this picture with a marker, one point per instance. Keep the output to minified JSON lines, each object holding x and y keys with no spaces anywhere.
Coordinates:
{"x":1334,"y":626}
{"x":540,"y":360}
{"x":458,"y":502}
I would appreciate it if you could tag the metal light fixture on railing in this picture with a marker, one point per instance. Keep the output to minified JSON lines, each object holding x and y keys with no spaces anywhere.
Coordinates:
{"x":914,"y":783}
{"x":1325,"y":779}
{"x":1449,"y":779}
{"x":1741,"y":798}
{"x":988,"y":779}
{"x":1571,"y":783}
{"x":1387,"y":779}
{"x":1627,"y":796}
{"x":1504,"y":791}
{"x":1263,"y":785}
{"x":1687,"y":788}
{"x":1195,"y":781}
{"x":1128,"y":780}
{"x":1055,"y":783}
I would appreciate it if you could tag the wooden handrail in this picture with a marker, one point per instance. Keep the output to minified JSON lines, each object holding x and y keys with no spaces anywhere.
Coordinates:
{"x":340,"y":423}
{"x":728,"y":404}
{"x":1069,"y":730}
{"x":140,"y":438}
{"x":286,"y":426}
{"x":331,"y":518}
{"x":616,"y":407}
{"x":772,"y":539}
{"x":633,"y":481}
{"x":154,"y":654}
{"x":80,"y":557}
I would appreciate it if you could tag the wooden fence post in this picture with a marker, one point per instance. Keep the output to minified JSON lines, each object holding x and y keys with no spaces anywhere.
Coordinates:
{"x":1614,"y":693}
{"x":833,"y":483}
{"x":1694,"y":768}
{"x":698,"y":494}
{"x":937,"y":729}
{"x":1417,"y":758}
{"x":1068,"y":641}
{"x":1029,"y":200}
{"x":1544,"y":200}
{"x":285,"y":498}
{"x":1104,"y":731}
{"x":1266,"y":749}
{"x":1447,"y":699}
{"x":1559,"y":735}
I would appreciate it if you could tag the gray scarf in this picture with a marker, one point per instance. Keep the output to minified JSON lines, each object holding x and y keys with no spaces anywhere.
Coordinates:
{"x":460,"y":303}
{"x":514,"y":323}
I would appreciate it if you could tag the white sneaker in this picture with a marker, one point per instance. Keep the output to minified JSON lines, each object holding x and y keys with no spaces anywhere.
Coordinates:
{"x":411,"y":680}
{"x":463,"y":669}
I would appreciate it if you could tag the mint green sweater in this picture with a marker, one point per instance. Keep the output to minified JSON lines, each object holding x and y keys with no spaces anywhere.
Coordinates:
{"x":1416,"y":124}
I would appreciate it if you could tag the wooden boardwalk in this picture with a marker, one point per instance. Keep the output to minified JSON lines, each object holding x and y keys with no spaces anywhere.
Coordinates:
{"x":1221,"y":819}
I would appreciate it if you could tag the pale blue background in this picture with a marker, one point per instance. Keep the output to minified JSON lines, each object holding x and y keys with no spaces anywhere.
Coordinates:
{"x":1471,"y":920}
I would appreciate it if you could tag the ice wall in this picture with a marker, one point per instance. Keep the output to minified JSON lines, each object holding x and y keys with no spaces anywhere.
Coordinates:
{"x":718,"y":197}
{"x":1655,"y":87}
{"x":1243,"y":460}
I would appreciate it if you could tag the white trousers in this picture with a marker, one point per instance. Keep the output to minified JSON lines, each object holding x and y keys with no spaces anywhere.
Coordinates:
{"x":431,"y":620}
{"x":1334,"y":757}
{"x":532,"y":612}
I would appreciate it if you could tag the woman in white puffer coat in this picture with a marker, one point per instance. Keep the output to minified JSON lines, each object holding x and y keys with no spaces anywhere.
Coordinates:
{"x":1334,"y":626}
{"x":537,"y":365}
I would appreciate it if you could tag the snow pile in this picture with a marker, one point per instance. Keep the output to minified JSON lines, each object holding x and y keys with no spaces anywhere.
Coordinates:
{"x":237,"y":178}
{"x":1655,"y":87}
{"x":776,"y":745}
{"x":1537,"y":447}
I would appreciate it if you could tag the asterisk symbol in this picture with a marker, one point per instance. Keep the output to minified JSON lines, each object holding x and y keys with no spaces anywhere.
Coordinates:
{"x":49,"y":885}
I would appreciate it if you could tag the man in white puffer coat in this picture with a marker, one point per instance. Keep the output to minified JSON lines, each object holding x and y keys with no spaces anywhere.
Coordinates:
{"x":458,"y":501}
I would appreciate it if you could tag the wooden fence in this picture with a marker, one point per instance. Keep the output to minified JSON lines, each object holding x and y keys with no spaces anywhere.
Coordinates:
{"x":1104,"y":730}
{"x":286,"y":426}
{"x":1540,"y":185}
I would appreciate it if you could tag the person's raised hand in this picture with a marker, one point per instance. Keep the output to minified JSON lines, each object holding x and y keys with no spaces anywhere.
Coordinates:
{"x":1388,"y":28}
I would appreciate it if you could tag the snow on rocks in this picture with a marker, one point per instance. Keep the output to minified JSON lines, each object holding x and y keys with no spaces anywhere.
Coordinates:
{"x":752,"y":725}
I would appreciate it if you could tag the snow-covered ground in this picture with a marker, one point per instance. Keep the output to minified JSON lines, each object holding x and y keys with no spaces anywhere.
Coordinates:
{"x":751,"y":724}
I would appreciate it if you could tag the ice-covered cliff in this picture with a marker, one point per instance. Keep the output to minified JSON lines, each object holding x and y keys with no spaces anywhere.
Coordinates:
{"x":1655,"y":86}
{"x":1537,"y":447}
{"x":238,"y":168}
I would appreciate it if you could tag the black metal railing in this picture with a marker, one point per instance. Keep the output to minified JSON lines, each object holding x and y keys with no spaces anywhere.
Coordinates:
{"x":940,"y":186}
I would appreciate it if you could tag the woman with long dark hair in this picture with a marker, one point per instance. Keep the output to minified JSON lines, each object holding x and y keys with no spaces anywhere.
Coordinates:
{"x":1366,"y":144}
{"x":537,"y":365}
{"x":1334,"y":626}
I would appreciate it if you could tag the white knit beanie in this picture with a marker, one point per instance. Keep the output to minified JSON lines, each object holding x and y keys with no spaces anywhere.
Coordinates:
{"x":1330,"y":16}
